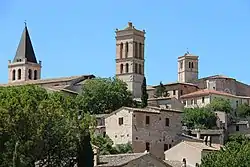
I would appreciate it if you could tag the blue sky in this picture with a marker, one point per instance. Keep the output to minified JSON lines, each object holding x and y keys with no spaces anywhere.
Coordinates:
{"x":78,"y":37}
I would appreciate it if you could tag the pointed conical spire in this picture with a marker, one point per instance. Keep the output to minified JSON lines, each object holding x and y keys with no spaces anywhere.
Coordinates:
{"x":25,"y":48}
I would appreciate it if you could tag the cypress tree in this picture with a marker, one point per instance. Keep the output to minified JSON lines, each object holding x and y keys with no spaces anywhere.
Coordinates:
{"x":144,"y":96}
{"x":85,"y":157}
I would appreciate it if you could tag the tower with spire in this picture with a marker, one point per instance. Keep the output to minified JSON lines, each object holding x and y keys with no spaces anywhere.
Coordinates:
{"x":24,"y":66}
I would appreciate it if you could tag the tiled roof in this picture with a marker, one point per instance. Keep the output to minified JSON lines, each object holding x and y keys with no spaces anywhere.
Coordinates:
{"x":175,"y":163}
{"x":25,"y":49}
{"x":202,"y":146}
{"x":176,"y":83}
{"x":118,"y":159}
{"x":205,"y":92}
{"x":46,"y":81}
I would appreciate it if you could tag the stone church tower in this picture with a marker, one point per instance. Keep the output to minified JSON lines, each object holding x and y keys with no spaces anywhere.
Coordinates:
{"x":130,"y":58}
{"x":24,"y":66}
{"x":188,"y":68}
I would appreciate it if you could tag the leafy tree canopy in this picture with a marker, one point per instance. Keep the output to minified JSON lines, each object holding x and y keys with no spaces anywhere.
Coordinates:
{"x":160,"y":90}
{"x":243,"y":110}
{"x":220,"y":104}
{"x":235,"y":153}
{"x":199,"y":118}
{"x":104,"y":94}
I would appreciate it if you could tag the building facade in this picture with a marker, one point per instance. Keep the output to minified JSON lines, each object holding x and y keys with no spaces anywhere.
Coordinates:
{"x":152,"y":129}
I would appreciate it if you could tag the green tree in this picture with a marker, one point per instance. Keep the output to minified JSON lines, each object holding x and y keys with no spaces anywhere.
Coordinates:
{"x":160,"y":90}
{"x":106,"y":145}
{"x":144,"y":96}
{"x":243,"y":110}
{"x":199,"y":118}
{"x":104,"y":94}
{"x":220,"y":104}
{"x":235,"y":153}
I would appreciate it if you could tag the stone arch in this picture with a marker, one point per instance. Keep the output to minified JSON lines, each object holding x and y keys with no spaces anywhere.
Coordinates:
{"x":35,"y":75}
{"x":30,"y":74}
{"x":121,"y":68}
{"x":121,"y":50}
{"x":14,"y":75}
{"x":127,"y":67}
{"x":19,"y":74}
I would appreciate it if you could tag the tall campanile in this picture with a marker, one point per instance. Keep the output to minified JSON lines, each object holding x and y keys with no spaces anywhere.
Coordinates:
{"x":130,"y":58}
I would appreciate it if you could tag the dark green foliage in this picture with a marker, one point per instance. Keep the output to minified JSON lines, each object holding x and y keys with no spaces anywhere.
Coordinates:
{"x":220,"y":104}
{"x":106,"y":146}
{"x":104,"y":94}
{"x":243,"y":110}
{"x":160,"y":90}
{"x":144,"y":96}
{"x":235,"y":153}
{"x":199,"y":118}
{"x":85,"y":154}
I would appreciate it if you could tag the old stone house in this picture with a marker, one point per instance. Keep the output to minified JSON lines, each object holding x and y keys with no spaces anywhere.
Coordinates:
{"x":153,"y":129}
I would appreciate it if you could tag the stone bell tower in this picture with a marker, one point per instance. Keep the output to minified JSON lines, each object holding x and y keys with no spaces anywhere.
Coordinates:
{"x":24,"y":66}
{"x":188,"y":68}
{"x":130,"y":58}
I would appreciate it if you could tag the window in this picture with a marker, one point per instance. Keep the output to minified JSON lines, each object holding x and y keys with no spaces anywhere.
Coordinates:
{"x":181,"y":65}
{"x":136,"y":138}
{"x":121,"y":50}
{"x":169,"y":146}
{"x":166,"y":121}
{"x":140,"y":51}
{"x":192,"y":65}
{"x":104,"y":134}
{"x":165,"y":147}
{"x":147,"y":120}
{"x":192,"y":101}
{"x":181,"y":92}
{"x":121,"y":68}
{"x":173,"y":92}
{"x":136,"y":50}
{"x":203,"y":99}
{"x":14,"y":75}
{"x":121,"y":121}
{"x":140,"y":71}
{"x":147,"y":146}
{"x":237,"y":103}
{"x":126,"y":50}
{"x":19,"y":73}
{"x":126,"y":67}
{"x":35,"y":75}
{"x":237,"y":128}
{"x":189,"y":64}
{"x":184,"y":102}
{"x":30,"y":74}
{"x":136,"y":66}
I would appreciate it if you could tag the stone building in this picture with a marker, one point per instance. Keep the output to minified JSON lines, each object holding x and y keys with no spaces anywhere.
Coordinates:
{"x":130,"y":58}
{"x":26,"y":70}
{"x":152,"y":128}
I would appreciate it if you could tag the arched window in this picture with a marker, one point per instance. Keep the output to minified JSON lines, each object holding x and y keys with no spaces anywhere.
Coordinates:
{"x":30,"y":74}
{"x":192,"y":65}
{"x":19,"y":74}
{"x":35,"y":74}
{"x":126,"y":55}
{"x":136,"y":50}
{"x":189,"y":64}
{"x":127,"y":68}
{"x":121,"y":68}
{"x":136,"y":66}
{"x":121,"y":50}
{"x":140,"y":51}
{"x":140,"y":71}
{"x":14,"y":75}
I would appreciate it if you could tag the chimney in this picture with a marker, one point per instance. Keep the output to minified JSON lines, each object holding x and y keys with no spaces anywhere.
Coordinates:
{"x":205,"y":140}
{"x":209,"y":141}
{"x":184,"y":163}
{"x":198,"y":134}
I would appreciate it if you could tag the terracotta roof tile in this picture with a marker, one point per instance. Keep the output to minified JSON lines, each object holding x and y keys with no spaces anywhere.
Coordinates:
{"x":205,"y":92}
